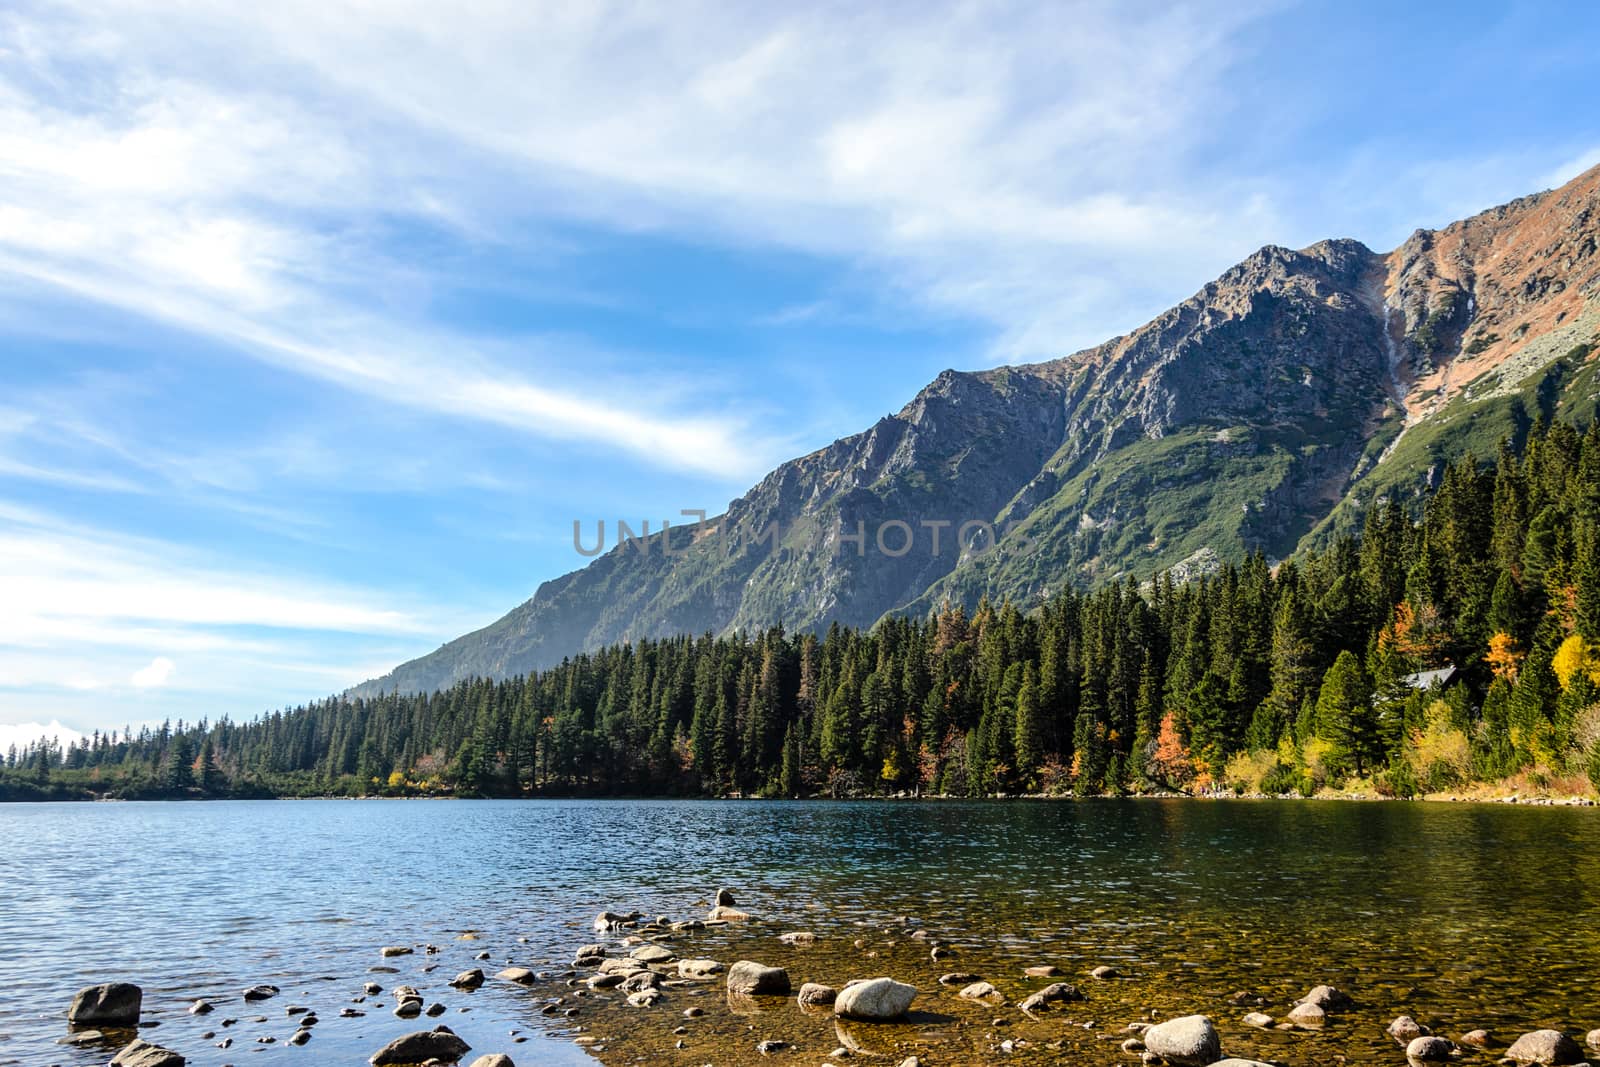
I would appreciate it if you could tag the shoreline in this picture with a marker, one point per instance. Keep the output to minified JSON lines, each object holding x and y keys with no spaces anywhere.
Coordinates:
{"x":1543,"y":800}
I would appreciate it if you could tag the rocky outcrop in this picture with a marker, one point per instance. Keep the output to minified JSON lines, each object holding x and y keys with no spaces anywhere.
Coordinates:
{"x":1254,"y":412}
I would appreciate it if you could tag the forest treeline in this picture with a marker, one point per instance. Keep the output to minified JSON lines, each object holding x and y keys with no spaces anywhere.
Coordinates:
{"x":1255,"y":678}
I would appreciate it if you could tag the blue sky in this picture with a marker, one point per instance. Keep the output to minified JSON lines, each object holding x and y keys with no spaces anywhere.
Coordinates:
{"x":320,"y":324}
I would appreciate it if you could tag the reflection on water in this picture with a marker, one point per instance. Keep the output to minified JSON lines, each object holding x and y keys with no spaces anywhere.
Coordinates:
{"x":1462,"y":916}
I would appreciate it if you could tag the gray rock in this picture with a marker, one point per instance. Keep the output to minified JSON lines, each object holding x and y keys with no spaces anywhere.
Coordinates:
{"x":1593,"y":1039}
{"x":202,"y":1007}
{"x":1478,"y":1038}
{"x":798,"y":937}
{"x":1306,"y":1014}
{"x":586,"y":950}
{"x":1545,"y":1046}
{"x":261,"y":992}
{"x":1260,"y":1020}
{"x":645,"y":998}
{"x":519,"y":975}
{"x":109,"y":1004}
{"x":651,"y":954}
{"x":468,"y":979}
{"x":440,"y":1043}
{"x":1327,"y":998}
{"x":982,"y":991}
{"x":1405,"y":1030}
{"x":391,"y":951}
{"x":754,"y":979}
{"x":1054,"y":993}
{"x":82,"y":1037}
{"x":724,"y":899}
{"x":641,"y":980}
{"x":1105,"y":973}
{"x":770,"y":1046}
{"x":1425,"y":1049}
{"x":699,"y":968}
{"x":957,"y":978}
{"x":1190,"y":1041}
{"x":815,"y":993}
{"x":724,"y":914}
{"x":875,"y":999}
{"x":496,"y":1059}
{"x":144,"y":1054}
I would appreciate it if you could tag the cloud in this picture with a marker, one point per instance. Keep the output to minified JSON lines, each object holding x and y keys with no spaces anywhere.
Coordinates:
{"x":1009,"y":163}
{"x":157,"y":673}
{"x":96,"y":621}
{"x":22,"y":734}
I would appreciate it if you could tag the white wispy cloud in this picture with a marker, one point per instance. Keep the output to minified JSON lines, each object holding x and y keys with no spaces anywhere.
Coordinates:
{"x":93,"y":618}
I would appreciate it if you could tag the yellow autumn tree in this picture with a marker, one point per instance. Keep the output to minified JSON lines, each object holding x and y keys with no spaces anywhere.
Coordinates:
{"x":1574,"y":656}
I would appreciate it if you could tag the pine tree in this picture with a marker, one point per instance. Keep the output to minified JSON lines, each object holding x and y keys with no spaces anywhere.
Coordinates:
{"x":1346,"y":717}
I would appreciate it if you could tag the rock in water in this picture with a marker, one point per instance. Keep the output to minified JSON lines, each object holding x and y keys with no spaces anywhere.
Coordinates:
{"x":519,"y":975}
{"x":498,"y":1059}
{"x":724,"y":899}
{"x":874,"y":1000}
{"x":725,"y":914}
{"x":1190,"y":1041}
{"x":649,"y":953}
{"x":982,"y":991}
{"x":1327,"y":998}
{"x":261,"y":992}
{"x":699,"y":968}
{"x":1545,"y":1046}
{"x":1308,"y":1014}
{"x":1259,"y":1020}
{"x":468,"y":979}
{"x":440,"y":1043}
{"x":1405,"y":1030}
{"x":1594,"y":1039}
{"x":1479,"y":1039}
{"x":1055,"y":992}
{"x":110,"y":1004}
{"x":816,"y":993}
{"x":754,"y":979}
{"x":144,"y":1054}
{"x":1429,"y":1049}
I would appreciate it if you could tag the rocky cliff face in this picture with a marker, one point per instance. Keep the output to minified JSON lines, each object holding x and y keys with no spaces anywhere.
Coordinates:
{"x":1264,"y":413}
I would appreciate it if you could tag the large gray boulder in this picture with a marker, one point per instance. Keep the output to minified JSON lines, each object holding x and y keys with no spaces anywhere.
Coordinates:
{"x":110,"y":1004}
{"x":755,"y":979}
{"x":1190,"y":1041}
{"x":1545,"y":1046}
{"x":874,"y":999}
{"x":144,"y":1054}
{"x":440,"y":1043}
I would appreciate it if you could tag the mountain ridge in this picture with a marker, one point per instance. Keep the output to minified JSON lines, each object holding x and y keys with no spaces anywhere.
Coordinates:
{"x":1266,"y":413}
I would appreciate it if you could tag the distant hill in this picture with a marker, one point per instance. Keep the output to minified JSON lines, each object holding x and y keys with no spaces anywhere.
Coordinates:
{"x":1268,"y":411}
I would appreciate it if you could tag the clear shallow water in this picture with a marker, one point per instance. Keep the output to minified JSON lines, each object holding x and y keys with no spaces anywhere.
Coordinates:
{"x":1460,"y":915}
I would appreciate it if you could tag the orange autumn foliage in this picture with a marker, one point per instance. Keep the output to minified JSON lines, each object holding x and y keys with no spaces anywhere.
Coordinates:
{"x":1170,"y":761}
{"x":1504,"y":657}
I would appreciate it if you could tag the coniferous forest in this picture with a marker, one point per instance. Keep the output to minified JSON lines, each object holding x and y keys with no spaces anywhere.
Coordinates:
{"x":1457,"y":640}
